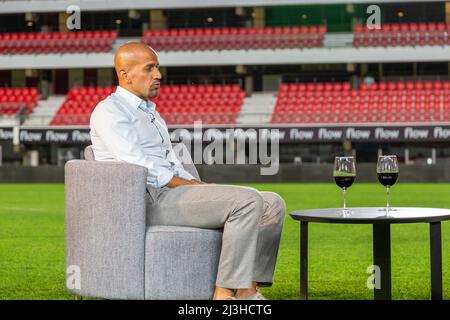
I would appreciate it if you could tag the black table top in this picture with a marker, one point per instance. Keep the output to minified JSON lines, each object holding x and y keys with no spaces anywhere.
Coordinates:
{"x":371,"y":215}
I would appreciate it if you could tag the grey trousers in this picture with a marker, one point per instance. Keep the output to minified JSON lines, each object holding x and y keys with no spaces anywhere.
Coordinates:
{"x":251,"y":222}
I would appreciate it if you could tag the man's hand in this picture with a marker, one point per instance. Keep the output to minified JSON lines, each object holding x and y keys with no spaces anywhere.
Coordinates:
{"x":177,"y":181}
{"x":198,"y":181}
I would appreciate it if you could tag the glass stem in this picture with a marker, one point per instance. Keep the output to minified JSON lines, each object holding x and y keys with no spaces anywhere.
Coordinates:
{"x":344,"y":191}
{"x":387,"y":196}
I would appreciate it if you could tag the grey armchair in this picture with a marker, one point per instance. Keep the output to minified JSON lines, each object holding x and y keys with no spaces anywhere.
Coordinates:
{"x":112,"y":250}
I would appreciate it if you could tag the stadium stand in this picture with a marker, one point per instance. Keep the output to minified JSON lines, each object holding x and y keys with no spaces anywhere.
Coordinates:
{"x":403,"y":34}
{"x":12,"y":99}
{"x":183,"y":104}
{"x":379,"y":102}
{"x":212,"y":104}
{"x":57,"y":42}
{"x":299,"y":65}
{"x":79,"y":104}
{"x":235,"y":38}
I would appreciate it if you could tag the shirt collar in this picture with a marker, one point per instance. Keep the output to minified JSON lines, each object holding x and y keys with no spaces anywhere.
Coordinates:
{"x":134,"y":100}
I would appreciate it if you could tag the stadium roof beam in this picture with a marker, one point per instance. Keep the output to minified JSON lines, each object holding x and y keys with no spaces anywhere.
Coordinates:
{"x":236,"y":57}
{"x":20,"y":6}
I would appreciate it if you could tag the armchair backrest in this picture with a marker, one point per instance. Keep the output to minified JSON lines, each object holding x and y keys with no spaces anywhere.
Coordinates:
{"x":89,"y":154}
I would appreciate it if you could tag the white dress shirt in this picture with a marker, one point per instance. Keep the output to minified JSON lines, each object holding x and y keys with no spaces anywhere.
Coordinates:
{"x":126,"y":128}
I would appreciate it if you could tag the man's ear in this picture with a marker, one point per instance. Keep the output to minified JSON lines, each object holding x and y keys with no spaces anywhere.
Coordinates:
{"x":124,"y":76}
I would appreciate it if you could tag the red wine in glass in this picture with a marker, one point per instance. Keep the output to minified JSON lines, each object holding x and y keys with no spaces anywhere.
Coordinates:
{"x":344,"y":175}
{"x":387,"y":172}
{"x":387,"y":178}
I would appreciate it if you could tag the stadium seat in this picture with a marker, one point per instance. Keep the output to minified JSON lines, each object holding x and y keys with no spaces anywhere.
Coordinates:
{"x":57,"y":42}
{"x":235,"y":38}
{"x":402,"y":34}
{"x":392,"y":101}
{"x":14,"y":100}
{"x":212,"y":104}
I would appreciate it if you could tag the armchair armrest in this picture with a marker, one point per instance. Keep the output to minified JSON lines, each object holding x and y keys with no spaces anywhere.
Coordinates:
{"x":105,"y":228}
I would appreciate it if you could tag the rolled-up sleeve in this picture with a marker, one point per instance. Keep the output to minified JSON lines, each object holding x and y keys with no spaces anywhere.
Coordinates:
{"x":179,"y":169}
{"x":164,"y":178}
{"x":116,"y":131}
{"x":182,"y":173}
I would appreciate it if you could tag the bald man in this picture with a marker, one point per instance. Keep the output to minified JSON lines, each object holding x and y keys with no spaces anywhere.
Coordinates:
{"x":127,"y":127}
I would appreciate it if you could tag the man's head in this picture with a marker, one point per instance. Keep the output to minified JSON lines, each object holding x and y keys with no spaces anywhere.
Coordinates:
{"x":137,"y":66}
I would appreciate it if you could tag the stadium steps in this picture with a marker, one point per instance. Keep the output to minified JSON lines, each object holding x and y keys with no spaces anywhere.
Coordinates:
{"x":257,"y":109}
{"x":337,"y":40}
{"x":45,"y":110}
{"x":8,"y":121}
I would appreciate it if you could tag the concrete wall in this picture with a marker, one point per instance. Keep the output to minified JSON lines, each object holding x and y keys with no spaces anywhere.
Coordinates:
{"x":250,"y":173}
{"x":21,"y":6}
{"x":18,"y":78}
{"x":105,"y":77}
{"x":76,"y":77}
{"x":320,"y":173}
{"x":31,"y":174}
{"x":236,"y":57}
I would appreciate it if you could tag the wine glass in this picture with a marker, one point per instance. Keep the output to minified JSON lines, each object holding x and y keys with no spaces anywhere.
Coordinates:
{"x":344,"y":175}
{"x":387,"y":172}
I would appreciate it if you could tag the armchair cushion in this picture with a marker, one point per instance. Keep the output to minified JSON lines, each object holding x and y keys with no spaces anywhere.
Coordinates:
{"x":181,"y":262}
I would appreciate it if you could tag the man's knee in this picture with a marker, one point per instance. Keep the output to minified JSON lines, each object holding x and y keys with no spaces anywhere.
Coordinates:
{"x":249,"y":200}
{"x":275,"y":207}
{"x":274,"y":200}
{"x":254,"y":197}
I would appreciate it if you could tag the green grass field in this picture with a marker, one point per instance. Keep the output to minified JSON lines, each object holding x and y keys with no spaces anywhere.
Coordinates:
{"x":32,"y":243}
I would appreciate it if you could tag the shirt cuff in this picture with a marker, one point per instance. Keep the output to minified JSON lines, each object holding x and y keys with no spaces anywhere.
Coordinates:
{"x":184,"y":174}
{"x":161,"y":180}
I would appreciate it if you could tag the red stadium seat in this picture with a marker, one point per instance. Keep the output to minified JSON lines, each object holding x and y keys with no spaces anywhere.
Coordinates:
{"x":235,"y":38}
{"x":383,"y":102}
{"x":57,"y":42}
{"x":177,"y":104}
{"x":404,"y":34}
{"x":13,"y":100}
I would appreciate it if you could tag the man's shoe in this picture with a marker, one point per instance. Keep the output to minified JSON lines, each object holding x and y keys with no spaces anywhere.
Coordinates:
{"x":257,"y":296}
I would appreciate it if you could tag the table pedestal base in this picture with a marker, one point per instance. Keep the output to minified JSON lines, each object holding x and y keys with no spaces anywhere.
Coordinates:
{"x":436,"y":260}
{"x":382,"y":260}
